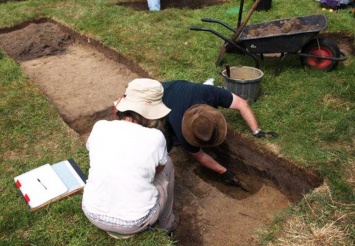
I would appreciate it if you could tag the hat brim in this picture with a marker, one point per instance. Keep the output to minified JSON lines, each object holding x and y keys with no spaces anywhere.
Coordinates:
{"x":220,"y":122}
{"x":149,"y":111}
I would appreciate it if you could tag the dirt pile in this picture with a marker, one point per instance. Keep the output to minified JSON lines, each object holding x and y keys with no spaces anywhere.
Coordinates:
{"x":36,"y":42}
{"x":291,"y":25}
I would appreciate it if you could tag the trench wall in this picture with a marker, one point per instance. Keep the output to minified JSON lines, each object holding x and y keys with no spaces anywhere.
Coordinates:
{"x":254,"y":158}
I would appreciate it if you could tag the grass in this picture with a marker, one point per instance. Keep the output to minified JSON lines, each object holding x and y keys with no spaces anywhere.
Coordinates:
{"x":312,"y":111}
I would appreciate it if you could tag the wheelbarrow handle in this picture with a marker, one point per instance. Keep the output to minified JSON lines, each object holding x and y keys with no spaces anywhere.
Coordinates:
{"x":227,"y":40}
{"x":218,"y":22}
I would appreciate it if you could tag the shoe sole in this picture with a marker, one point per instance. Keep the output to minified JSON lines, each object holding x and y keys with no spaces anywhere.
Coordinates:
{"x":119,"y":236}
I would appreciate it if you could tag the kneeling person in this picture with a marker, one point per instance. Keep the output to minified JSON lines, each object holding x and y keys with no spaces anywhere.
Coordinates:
{"x":131,"y":177}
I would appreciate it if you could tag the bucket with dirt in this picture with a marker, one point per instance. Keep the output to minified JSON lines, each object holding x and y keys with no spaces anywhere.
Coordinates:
{"x":244,"y":81}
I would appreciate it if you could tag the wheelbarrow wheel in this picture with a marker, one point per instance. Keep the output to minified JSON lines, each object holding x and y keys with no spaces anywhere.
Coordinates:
{"x":320,"y":47}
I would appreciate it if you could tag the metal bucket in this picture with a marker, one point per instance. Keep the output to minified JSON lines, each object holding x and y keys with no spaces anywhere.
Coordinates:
{"x":244,"y":81}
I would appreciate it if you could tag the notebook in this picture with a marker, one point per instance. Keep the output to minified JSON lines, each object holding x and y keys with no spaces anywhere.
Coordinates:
{"x":49,"y":183}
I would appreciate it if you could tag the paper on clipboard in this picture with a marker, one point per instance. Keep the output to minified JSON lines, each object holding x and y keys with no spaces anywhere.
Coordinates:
{"x":40,"y":185}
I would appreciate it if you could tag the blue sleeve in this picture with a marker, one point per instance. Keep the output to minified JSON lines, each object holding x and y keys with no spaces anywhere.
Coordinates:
{"x":218,"y":97}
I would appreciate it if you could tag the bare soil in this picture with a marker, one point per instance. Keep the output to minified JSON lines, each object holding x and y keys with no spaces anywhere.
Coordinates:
{"x":83,"y":78}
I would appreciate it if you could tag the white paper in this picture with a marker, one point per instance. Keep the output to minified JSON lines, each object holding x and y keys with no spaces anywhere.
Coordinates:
{"x":41,"y":185}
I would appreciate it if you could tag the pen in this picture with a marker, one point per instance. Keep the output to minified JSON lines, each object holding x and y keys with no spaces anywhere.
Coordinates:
{"x":42,"y":184}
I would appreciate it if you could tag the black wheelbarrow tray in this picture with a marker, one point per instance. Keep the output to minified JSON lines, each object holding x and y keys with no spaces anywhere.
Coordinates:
{"x":286,"y":36}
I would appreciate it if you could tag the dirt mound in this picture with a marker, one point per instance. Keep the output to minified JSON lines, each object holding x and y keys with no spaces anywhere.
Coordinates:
{"x":344,"y":40}
{"x":36,"y":42}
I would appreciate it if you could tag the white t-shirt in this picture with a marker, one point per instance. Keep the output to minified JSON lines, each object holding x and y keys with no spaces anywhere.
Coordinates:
{"x":123,"y":157}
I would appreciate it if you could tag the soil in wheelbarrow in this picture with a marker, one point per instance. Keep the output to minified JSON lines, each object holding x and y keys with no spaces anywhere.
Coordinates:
{"x":142,"y":5}
{"x":291,"y":25}
{"x":344,"y":40}
{"x":82,"y":78}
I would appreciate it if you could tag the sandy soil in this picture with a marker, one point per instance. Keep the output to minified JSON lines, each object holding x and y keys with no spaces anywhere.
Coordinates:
{"x":83,"y":83}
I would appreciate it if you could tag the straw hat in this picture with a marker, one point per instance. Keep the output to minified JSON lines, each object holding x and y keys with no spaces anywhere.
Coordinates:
{"x":204,"y":126}
{"x":144,"y":96}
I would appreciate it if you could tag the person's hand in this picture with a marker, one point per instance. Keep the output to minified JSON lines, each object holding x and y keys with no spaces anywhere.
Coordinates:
{"x":261,"y":134}
{"x":229,"y":178}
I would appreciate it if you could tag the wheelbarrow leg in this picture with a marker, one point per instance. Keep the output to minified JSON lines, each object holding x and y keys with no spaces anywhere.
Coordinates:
{"x":282,"y":58}
{"x":254,"y":58}
{"x":279,"y":66}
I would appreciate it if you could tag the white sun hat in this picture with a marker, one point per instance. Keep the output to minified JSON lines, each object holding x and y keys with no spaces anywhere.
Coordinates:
{"x":144,"y":96}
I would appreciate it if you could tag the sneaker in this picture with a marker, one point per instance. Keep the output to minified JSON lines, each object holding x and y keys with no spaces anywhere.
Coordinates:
{"x":119,"y":236}
{"x":175,"y":223}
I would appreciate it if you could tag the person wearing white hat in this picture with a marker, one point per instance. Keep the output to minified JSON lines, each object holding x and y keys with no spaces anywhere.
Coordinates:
{"x":131,"y":177}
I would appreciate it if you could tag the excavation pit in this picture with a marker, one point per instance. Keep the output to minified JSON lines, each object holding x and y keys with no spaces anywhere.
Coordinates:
{"x":83,"y":77}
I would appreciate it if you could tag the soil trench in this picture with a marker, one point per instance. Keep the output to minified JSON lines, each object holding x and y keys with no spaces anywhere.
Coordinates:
{"x":83,"y":78}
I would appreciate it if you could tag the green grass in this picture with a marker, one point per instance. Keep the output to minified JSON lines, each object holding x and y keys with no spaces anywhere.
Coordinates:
{"x":313,"y":112}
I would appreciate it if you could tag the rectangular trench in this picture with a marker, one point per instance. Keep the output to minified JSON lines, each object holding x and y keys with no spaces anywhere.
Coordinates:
{"x":83,"y":77}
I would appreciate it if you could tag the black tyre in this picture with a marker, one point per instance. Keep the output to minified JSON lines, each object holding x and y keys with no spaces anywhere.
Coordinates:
{"x":320,"y":47}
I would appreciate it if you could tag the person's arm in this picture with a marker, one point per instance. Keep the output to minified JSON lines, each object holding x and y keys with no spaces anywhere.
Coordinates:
{"x":226,"y":174}
{"x":207,"y":161}
{"x":246,"y":112}
{"x":242,"y":105}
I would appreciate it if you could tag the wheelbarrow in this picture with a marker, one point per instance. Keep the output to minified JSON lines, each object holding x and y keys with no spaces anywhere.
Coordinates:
{"x":285,"y":37}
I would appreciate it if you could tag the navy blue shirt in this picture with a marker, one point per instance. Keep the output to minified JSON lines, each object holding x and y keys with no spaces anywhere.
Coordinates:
{"x":179,"y":95}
